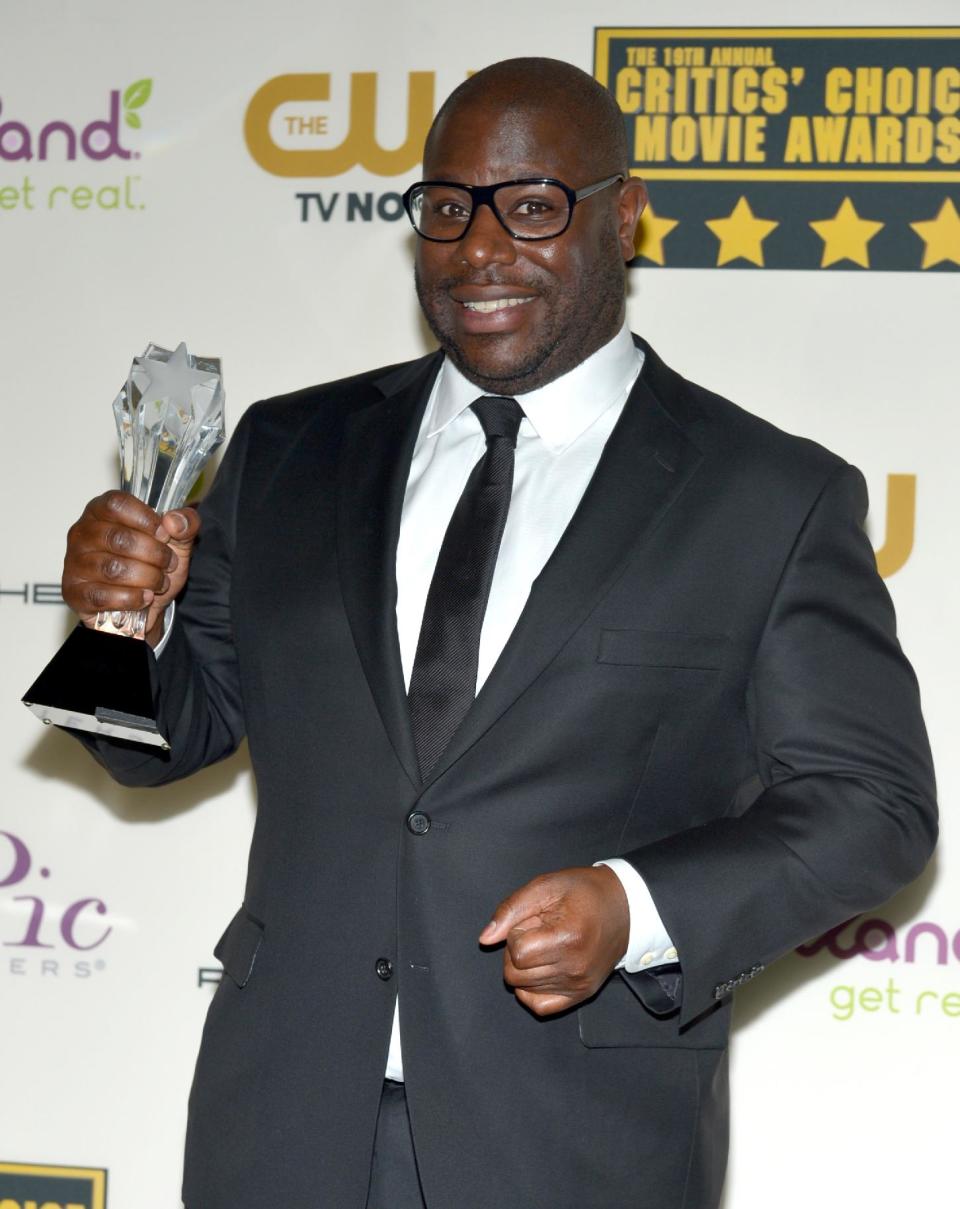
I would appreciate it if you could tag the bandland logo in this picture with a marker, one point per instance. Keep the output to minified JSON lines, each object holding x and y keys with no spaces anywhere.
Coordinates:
{"x":45,"y":1186}
{"x":40,"y":934}
{"x":94,"y":138}
{"x":875,"y":939}
{"x":98,"y":139}
{"x":288,"y":132}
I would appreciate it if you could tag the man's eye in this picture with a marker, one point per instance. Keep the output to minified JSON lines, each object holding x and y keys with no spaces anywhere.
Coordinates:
{"x":533,"y":207}
{"x":454,"y":210}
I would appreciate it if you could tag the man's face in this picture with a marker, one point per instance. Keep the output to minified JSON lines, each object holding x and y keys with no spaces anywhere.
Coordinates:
{"x":558,"y":300}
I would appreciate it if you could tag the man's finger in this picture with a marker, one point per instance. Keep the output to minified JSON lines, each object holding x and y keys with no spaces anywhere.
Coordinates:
{"x":108,"y":569}
{"x":540,"y":978}
{"x":539,"y":945}
{"x":517,"y":908}
{"x":121,"y":508}
{"x":179,"y":526}
{"x":544,"y":1004}
{"x":121,"y":541}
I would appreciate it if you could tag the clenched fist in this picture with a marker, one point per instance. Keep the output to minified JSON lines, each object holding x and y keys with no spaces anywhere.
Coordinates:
{"x":564,"y":934}
{"x":122,"y":556}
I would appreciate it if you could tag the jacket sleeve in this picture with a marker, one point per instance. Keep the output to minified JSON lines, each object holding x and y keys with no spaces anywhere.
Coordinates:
{"x":845,"y":813}
{"x":196,"y":678}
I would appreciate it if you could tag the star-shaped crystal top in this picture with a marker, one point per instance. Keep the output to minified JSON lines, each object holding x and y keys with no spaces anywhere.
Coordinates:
{"x":169,"y":417}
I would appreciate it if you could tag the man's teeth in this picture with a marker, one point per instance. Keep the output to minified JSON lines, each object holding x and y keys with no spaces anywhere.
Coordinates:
{"x":496,"y":304}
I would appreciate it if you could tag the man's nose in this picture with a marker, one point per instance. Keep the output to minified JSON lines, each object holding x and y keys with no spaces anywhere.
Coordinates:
{"x":486,"y":242}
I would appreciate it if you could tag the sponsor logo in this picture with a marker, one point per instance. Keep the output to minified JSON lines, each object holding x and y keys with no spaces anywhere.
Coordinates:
{"x":876,"y":939}
{"x":294,"y":128}
{"x":39,"y":934}
{"x":292,"y":101}
{"x":60,"y":141}
{"x":57,"y":139}
{"x":45,"y":1186}
{"x":792,"y":148}
{"x":30,"y":593}
{"x":352,"y":207}
{"x":897,"y":543}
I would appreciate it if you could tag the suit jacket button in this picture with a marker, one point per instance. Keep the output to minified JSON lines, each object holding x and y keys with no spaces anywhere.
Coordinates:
{"x":418,"y":822}
{"x":384,"y":968}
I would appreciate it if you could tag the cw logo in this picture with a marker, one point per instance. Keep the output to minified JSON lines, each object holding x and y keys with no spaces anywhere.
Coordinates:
{"x":360,"y":147}
{"x":901,"y":521}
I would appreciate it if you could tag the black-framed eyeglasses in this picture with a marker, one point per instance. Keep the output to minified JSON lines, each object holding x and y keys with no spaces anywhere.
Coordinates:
{"x":538,"y":208}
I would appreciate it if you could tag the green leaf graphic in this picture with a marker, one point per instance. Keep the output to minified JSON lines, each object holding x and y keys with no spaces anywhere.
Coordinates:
{"x":132,"y":119}
{"x":137,"y":94}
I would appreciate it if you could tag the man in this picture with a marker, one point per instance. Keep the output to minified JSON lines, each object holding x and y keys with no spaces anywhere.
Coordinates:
{"x":682,"y":657}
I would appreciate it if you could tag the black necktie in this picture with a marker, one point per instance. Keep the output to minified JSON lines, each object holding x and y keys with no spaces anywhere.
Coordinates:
{"x":443,"y":682}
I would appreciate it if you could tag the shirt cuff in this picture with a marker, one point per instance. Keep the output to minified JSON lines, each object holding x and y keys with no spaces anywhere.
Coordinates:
{"x":168,"y":615}
{"x":649,"y":944}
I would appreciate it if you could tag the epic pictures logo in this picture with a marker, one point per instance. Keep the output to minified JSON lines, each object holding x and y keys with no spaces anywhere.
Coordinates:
{"x":39,"y":934}
{"x":96,"y":139}
{"x":924,"y":943}
{"x":43,"y":1185}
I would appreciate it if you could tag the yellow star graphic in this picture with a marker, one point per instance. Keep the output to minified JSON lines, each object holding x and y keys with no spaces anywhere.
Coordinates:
{"x":741,"y":234}
{"x":651,"y":233}
{"x":941,"y":235}
{"x":845,"y":236}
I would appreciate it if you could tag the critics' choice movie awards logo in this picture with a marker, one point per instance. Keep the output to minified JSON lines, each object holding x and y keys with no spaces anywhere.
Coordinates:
{"x":877,"y":940}
{"x":79,"y":141}
{"x":792,"y":148}
{"x":44,"y":1186}
{"x":41,"y":934}
{"x":287,"y":129}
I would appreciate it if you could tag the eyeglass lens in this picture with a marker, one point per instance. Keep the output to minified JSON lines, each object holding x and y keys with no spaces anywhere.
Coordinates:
{"x":527,"y":210}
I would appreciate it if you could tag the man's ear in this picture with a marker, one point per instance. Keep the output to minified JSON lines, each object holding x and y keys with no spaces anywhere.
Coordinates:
{"x":633,"y":200}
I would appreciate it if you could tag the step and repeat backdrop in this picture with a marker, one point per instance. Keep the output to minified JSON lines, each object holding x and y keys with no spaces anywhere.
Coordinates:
{"x":230,"y":175}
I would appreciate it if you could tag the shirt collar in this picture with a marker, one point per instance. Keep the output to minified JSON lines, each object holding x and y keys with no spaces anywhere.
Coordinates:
{"x":563,"y":409}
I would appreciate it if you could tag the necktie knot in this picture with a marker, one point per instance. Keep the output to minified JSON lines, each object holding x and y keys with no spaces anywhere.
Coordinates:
{"x":499,"y":417}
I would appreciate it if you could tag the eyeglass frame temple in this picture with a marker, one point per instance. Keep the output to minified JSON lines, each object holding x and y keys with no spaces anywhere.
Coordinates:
{"x":487,"y":199}
{"x":589,"y":190}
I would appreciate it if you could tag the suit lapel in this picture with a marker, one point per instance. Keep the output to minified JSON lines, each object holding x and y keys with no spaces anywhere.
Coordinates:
{"x":645,"y":465}
{"x":377,"y":449}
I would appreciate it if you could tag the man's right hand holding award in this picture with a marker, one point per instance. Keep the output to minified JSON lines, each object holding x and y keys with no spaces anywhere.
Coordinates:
{"x":129,"y":553}
{"x":121,"y":557}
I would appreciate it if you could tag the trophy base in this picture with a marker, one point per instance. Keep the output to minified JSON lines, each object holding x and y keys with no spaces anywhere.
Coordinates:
{"x":100,"y":683}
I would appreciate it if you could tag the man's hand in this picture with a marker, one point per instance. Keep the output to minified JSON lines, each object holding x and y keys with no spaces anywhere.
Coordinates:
{"x":122,"y":556}
{"x":564,"y":933}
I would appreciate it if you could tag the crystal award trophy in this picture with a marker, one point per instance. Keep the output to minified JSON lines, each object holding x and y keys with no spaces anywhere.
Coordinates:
{"x":169,"y":416}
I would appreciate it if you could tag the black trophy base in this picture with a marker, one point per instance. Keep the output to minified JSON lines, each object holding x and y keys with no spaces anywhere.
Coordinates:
{"x":100,"y":683}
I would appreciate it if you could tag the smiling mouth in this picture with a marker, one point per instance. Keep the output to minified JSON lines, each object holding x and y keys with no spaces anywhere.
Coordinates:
{"x":495,"y":304}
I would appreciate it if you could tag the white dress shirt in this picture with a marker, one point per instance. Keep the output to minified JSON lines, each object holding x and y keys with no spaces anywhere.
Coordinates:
{"x":565,"y":427}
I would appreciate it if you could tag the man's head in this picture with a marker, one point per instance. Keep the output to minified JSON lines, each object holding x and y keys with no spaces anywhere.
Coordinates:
{"x":519,"y":119}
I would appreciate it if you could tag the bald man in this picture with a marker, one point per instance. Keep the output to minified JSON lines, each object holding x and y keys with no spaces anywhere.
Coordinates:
{"x":573,"y":699}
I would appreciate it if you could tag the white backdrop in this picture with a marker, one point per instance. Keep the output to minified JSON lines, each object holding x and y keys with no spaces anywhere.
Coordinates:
{"x":842,"y":1096}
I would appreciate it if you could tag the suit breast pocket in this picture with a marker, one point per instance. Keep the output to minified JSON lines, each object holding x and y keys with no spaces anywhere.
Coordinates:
{"x":681,"y":650}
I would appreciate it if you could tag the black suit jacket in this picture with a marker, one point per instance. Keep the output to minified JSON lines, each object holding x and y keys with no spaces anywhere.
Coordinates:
{"x":705,"y":680}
